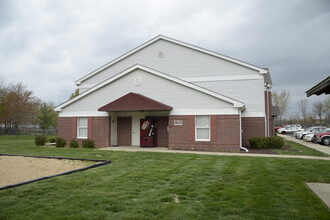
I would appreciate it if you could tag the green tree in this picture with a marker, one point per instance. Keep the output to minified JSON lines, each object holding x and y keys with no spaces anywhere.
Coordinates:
{"x":21,"y":105}
{"x":47,"y":117}
{"x":76,"y":93}
{"x":3,"y":100}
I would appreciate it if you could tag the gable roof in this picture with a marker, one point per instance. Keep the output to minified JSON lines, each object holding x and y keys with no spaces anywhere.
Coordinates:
{"x":236,"y":103}
{"x":161,"y":37}
{"x":135,"y":102}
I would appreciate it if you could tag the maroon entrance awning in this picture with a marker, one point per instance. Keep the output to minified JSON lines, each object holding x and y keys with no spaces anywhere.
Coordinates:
{"x":135,"y":102}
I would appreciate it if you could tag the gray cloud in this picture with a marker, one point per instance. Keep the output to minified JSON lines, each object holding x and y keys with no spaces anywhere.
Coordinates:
{"x":50,"y":44}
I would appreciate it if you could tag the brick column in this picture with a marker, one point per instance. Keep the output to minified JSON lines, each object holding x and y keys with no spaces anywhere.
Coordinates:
{"x":90,"y":128}
{"x":74,"y":127}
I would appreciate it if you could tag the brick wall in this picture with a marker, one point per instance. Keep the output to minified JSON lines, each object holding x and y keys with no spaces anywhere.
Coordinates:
{"x":252,"y":127}
{"x":66,"y":128}
{"x":225,"y":134}
{"x":101,"y":131}
{"x":162,"y":133}
{"x":124,"y":131}
{"x":98,"y":130}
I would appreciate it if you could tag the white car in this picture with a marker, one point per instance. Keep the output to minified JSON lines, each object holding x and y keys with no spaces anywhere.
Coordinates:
{"x":309,"y":137}
{"x":311,"y":130}
{"x":289,"y":129}
{"x":312,"y":136}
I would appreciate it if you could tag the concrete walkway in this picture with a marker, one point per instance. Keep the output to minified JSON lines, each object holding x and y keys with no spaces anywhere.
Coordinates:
{"x":317,"y":147}
{"x":322,"y":190}
{"x":243,"y":154}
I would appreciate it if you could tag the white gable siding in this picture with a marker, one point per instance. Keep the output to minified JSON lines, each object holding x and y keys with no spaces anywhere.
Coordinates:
{"x":184,"y":100}
{"x":250,"y":91}
{"x":179,"y":61}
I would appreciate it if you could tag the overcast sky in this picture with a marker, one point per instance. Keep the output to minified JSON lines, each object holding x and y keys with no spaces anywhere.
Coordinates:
{"x":48,"y":44}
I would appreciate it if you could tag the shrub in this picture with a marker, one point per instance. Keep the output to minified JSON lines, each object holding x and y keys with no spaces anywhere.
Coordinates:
{"x":266,"y":142}
{"x":40,"y":140}
{"x":74,"y":143}
{"x":60,"y":142}
{"x":258,"y":142}
{"x":276,"y":142}
{"x":88,"y":144}
{"x":52,"y":140}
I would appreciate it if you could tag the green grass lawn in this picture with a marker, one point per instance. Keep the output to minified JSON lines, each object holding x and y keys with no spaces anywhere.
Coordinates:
{"x":142,"y":185}
{"x":298,"y":149}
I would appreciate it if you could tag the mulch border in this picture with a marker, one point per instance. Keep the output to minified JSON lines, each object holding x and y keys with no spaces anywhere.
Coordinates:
{"x":268,"y":150}
{"x":101,"y":163}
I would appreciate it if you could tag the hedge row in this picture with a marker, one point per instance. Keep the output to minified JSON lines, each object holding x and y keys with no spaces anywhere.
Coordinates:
{"x":266,"y":142}
{"x":60,"y":142}
{"x":41,"y":140}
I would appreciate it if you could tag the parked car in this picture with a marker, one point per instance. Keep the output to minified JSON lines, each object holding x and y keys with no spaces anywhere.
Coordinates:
{"x":315,"y":129}
{"x":310,"y":137}
{"x":289,"y":129}
{"x":323,"y":138}
{"x":276,"y":128}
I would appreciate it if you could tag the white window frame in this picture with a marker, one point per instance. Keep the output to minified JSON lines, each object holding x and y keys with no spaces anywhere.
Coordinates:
{"x":78,"y":127}
{"x":196,"y":128}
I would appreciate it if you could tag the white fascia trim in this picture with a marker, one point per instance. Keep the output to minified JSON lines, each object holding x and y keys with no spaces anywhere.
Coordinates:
{"x":83,"y":114}
{"x":161,"y":37}
{"x":216,"y":111}
{"x":251,"y":115}
{"x":236,"y":103}
{"x":268,"y":80}
{"x":222,"y":78}
{"x":86,"y":86}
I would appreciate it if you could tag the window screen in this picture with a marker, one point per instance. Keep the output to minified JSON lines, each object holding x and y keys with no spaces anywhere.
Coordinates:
{"x":82,"y":127}
{"x":202,"y":128}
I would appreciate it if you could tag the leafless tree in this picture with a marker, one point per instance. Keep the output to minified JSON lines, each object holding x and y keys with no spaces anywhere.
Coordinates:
{"x":281,"y":100}
{"x":303,"y":104}
{"x":326,"y":104}
{"x":318,"y":110}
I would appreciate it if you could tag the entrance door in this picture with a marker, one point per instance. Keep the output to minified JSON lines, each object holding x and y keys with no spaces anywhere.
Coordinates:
{"x":136,"y":131}
{"x":124,"y":131}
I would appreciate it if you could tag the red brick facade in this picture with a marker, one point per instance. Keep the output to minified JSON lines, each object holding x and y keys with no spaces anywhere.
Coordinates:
{"x":66,"y":128}
{"x":225,"y":134}
{"x":101,"y":131}
{"x":252,"y":127}
{"x":162,"y":133}
{"x":98,"y":130}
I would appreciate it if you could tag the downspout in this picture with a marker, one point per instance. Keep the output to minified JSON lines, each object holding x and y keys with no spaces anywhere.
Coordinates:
{"x":268,"y":115}
{"x":240,"y":131}
{"x":266,"y":101}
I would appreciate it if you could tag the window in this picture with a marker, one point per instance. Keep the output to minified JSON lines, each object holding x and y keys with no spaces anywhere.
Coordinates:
{"x":202,"y":128}
{"x":82,"y":124}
